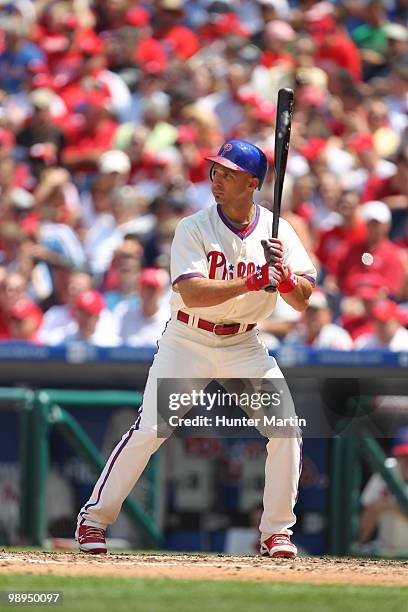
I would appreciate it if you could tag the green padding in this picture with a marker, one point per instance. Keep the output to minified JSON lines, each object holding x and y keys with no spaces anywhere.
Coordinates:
{"x":91,"y":398}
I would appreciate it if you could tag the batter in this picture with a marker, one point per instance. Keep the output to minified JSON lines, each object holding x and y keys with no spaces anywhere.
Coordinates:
{"x":226,"y":273}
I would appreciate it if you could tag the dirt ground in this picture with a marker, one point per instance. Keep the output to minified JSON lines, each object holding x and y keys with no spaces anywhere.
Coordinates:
{"x":317,"y":570}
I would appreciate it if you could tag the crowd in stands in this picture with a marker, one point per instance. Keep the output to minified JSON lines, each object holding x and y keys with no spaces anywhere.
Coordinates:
{"x":107,"y":110}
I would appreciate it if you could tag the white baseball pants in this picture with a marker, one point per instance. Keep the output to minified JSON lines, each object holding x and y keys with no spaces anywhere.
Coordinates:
{"x":187,"y":352}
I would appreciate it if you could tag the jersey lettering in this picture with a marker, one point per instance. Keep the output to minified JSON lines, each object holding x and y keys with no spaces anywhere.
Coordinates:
{"x":218,"y":262}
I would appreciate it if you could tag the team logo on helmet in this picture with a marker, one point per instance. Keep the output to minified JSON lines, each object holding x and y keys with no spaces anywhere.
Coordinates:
{"x":226,"y":148}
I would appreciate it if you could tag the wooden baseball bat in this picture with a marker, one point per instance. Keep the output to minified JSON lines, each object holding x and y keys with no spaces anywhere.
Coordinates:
{"x":284,"y":111}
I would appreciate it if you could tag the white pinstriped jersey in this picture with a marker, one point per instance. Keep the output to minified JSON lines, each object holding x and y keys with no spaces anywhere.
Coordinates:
{"x":207,"y":245}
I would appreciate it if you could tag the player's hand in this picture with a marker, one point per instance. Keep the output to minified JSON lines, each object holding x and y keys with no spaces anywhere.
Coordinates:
{"x":268,"y":278}
{"x":273,"y":251}
{"x":288,"y":281}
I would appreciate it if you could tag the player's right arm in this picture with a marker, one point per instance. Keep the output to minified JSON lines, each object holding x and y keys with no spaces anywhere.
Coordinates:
{"x":202,"y":292}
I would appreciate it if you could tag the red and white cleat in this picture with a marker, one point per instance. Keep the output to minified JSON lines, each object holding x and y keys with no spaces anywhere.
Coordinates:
{"x":279,"y":545}
{"x":91,"y":539}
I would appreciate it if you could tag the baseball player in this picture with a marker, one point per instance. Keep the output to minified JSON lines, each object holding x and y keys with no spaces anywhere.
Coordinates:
{"x":222,"y":260}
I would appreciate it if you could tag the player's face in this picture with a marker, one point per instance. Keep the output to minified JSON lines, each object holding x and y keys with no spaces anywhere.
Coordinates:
{"x":231,"y":185}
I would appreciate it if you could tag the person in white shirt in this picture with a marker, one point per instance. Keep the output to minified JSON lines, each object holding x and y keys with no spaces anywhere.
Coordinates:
{"x":389,"y":333}
{"x":368,"y":164}
{"x":315,"y":329}
{"x":59,"y":321}
{"x":142,"y":323}
{"x":380,"y":509}
{"x":113,"y":172}
{"x":89,"y":308}
{"x":127,"y":218}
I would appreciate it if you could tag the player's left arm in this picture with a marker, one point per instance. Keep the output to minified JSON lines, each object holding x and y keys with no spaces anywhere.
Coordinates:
{"x":295,"y":289}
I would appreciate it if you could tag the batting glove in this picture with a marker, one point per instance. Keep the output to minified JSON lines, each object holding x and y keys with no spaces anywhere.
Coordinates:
{"x":289,"y":280}
{"x":268,"y":278}
{"x":273,"y":250}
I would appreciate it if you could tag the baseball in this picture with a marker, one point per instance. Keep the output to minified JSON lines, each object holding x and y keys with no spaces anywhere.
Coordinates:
{"x":367,"y":259}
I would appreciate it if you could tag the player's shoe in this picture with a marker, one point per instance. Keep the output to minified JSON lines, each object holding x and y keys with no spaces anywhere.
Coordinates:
{"x":278,"y":545}
{"x":91,"y":539}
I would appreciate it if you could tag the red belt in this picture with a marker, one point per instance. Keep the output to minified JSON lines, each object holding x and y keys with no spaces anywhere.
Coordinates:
{"x":219,"y":329}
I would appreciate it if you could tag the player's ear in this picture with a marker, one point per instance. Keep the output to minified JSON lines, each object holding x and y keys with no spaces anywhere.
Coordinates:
{"x":253,"y":183}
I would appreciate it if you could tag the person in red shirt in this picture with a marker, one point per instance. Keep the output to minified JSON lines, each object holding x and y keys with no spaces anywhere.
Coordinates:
{"x":394,"y":191}
{"x":277,"y":35}
{"x":93,"y":135}
{"x":87,"y":74}
{"x":356,"y":311}
{"x":377,"y":254}
{"x":334,"y":45}
{"x":351,"y":230}
{"x":221,"y":25}
{"x":178,"y":40}
{"x":24,"y":321}
{"x":141,"y":160}
{"x":149,"y":54}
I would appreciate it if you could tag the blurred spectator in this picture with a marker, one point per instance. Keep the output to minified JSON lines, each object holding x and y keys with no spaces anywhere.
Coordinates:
{"x":24,"y":320}
{"x":356,"y":311}
{"x":225,"y":104}
{"x":127,"y":218}
{"x":376,"y":255}
{"x":179,"y":41}
{"x":59,"y":321}
{"x":388,"y":331}
{"x":56,"y":197}
{"x":397,"y":42}
{"x":393,"y":191}
{"x":386,"y":141}
{"x":302,"y":196}
{"x":316,"y":329}
{"x":371,"y":38}
{"x":334,"y":47}
{"x":371,"y":169}
{"x":143,"y":323}
{"x":141,"y":161}
{"x":11,"y":175}
{"x":68,"y":285}
{"x":349,"y":230}
{"x":277,"y":35}
{"x":86,"y":326}
{"x":11,"y":238}
{"x":17,"y":53}
{"x":112,"y":172}
{"x":381,"y":512}
{"x":14,"y":287}
{"x":396,"y":97}
{"x":13,"y":290}
{"x":40,"y":127}
{"x":325,"y":200}
{"x":90,"y":135}
{"x":123,"y":274}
